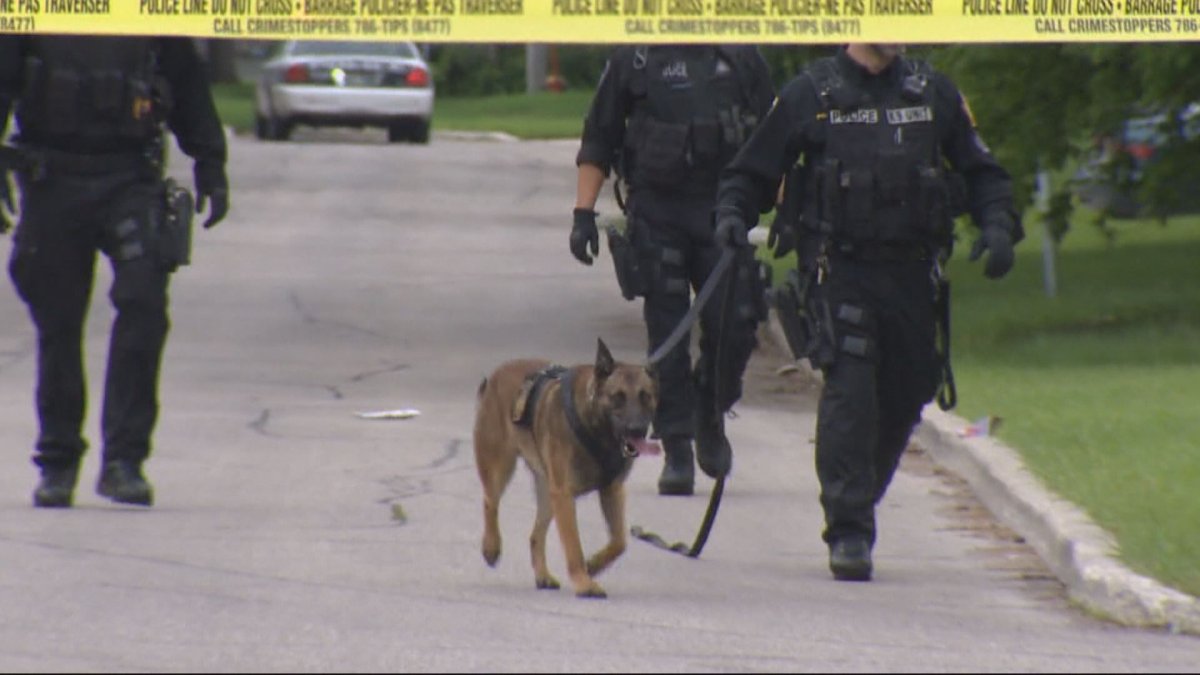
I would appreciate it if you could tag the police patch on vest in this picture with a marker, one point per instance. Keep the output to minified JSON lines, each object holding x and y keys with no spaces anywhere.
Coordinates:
{"x":861,"y":116}
{"x":675,"y":71}
{"x":921,"y":113}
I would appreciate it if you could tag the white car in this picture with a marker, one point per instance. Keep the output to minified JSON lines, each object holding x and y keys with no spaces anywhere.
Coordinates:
{"x":350,"y":84}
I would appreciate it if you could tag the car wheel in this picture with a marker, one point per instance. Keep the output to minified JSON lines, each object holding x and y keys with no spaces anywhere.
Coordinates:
{"x":420,"y":132}
{"x":261,"y":128}
{"x":271,"y":129}
{"x":410,"y":130}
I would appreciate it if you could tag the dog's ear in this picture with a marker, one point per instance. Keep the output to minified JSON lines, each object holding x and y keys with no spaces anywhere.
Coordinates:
{"x":652,"y":371}
{"x":604,"y":360}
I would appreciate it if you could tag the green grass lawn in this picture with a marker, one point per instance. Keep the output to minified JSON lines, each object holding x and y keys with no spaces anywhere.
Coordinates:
{"x":235,"y":104}
{"x":543,"y":115}
{"x":1098,"y":388}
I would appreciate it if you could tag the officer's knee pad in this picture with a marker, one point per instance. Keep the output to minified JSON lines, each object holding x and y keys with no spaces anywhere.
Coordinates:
{"x":854,"y":326}
{"x":670,"y":272}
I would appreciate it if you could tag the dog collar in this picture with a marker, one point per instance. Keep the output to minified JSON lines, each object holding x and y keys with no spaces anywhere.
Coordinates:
{"x":612,"y":462}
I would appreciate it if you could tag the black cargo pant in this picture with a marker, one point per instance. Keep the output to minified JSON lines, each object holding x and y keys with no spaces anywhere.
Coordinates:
{"x":674,"y":239}
{"x":67,"y":217}
{"x":884,"y":370}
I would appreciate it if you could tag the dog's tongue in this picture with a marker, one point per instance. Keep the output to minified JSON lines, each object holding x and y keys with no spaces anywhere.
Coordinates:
{"x":645,"y":446}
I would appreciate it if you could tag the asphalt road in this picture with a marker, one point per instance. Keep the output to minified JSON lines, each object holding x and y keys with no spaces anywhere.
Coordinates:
{"x":353,"y":276}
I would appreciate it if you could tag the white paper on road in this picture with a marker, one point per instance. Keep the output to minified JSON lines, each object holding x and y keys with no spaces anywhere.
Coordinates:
{"x":398,"y":414}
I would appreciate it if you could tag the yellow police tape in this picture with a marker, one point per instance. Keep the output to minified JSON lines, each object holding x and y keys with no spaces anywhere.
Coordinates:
{"x":620,"y":21}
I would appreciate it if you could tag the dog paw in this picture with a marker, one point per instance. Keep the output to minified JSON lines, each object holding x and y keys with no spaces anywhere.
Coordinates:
{"x":591,"y":592}
{"x":547,"y":584}
{"x":491,"y":550}
{"x":491,"y":557}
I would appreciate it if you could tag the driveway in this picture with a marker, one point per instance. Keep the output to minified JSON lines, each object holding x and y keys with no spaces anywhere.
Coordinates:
{"x":289,"y":534}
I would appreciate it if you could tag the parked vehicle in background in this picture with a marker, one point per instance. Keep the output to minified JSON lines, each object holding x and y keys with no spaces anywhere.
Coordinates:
{"x":345,"y":84}
{"x":1109,"y":179}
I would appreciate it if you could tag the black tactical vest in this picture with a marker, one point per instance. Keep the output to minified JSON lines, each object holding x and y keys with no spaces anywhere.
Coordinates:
{"x":91,"y":94}
{"x":689,"y":118}
{"x":880,"y":177}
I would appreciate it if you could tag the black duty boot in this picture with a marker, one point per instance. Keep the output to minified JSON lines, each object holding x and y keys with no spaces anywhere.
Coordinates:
{"x":713,"y":453}
{"x":123,"y":482}
{"x":57,"y":487}
{"x":679,"y":473}
{"x":850,"y":558}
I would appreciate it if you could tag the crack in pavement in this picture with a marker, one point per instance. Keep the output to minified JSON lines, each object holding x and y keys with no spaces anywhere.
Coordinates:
{"x":405,"y":485}
{"x":309,"y":317}
{"x":259,"y":425}
{"x":394,"y":368}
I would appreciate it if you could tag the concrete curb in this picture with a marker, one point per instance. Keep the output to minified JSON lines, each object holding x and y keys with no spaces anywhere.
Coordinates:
{"x":498,"y":136}
{"x":1077,"y":550}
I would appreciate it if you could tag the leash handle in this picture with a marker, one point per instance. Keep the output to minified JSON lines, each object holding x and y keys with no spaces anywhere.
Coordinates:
{"x":710,"y":516}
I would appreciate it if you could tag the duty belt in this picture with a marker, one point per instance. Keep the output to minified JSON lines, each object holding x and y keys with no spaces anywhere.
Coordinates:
{"x":883,"y":251}
{"x":42,"y":161}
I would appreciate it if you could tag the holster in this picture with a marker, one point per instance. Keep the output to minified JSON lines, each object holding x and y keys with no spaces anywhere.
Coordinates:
{"x":175,"y":235}
{"x":790,"y":300}
{"x":630,"y":276}
{"x":806,"y":319}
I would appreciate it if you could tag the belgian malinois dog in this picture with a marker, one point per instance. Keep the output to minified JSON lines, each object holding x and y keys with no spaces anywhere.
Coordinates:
{"x":578,"y":430}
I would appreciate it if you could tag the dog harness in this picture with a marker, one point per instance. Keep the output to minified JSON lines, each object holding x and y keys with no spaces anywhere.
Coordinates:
{"x":611,"y":460}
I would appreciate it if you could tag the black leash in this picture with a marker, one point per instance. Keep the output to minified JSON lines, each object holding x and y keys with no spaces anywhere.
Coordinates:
{"x":714,"y":502}
{"x":947,"y":396}
{"x":685,"y":324}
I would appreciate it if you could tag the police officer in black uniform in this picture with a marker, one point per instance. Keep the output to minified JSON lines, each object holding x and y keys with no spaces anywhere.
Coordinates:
{"x":875,"y":134}
{"x":667,"y":118}
{"x":90,"y":113}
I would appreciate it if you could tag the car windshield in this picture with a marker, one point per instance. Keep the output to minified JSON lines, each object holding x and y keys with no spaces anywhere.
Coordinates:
{"x":323,"y":48}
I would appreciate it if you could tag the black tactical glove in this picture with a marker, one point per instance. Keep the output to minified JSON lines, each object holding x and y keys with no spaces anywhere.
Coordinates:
{"x":7,"y":206}
{"x":211,"y":186}
{"x":731,"y":228}
{"x":996,"y":237}
{"x":583,"y":235}
{"x":781,"y":238}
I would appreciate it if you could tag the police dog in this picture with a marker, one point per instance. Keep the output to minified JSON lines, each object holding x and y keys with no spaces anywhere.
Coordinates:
{"x":578,"y":430}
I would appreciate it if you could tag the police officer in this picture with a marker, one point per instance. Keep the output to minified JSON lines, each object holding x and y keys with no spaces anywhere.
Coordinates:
{"x":668,"y":118}
{"x":90,"y":113}
{"x":874,"y":132}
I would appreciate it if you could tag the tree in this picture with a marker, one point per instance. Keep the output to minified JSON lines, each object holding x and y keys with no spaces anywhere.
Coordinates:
{"x":1042,"y":106}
